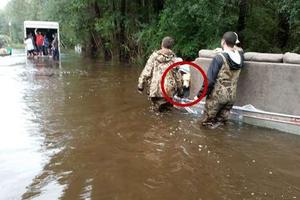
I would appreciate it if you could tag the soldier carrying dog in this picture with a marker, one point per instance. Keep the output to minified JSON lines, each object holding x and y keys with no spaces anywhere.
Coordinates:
{"x":151,"y":76}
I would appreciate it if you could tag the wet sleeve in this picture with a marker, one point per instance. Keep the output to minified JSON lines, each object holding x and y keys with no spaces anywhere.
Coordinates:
{"x":147,"y":71}
{"x":212,"y":74}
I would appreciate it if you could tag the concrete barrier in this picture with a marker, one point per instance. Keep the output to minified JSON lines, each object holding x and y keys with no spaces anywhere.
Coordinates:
{"x":291,"y":58}
{"x":269,"y":86}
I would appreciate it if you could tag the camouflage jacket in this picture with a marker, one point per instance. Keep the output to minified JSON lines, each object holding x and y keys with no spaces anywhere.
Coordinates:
{"x":158,"y":62}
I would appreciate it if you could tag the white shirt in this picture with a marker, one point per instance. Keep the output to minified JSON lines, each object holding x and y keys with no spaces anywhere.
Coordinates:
{"x":235,"y":56}
{"x":29,"y":44}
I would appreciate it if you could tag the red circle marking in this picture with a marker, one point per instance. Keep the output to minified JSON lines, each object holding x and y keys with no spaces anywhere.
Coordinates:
{"x":169,"y":99}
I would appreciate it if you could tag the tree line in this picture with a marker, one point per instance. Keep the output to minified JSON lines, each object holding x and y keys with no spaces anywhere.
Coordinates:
{"x":129,"y":30}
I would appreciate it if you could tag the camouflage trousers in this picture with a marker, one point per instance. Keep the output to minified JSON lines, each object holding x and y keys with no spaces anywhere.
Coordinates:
{"x":159,"y":104}
{"x":216,"y":111}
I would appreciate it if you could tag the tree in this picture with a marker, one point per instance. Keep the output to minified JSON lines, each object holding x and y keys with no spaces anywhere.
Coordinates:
{"x":129,"y":30}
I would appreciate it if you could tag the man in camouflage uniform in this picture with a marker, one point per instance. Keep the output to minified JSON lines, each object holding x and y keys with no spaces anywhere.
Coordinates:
{"x":158,"y":62}
{"x":223,"y":75}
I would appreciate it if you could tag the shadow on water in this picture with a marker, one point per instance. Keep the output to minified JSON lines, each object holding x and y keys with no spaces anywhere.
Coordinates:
{"x":81,"y":131}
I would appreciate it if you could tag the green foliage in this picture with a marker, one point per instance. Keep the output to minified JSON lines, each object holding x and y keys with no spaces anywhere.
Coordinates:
{"x":292,"y":7}
{"x":132,"y":29}
{"x":261,"y":28}
{"x":4,"y":40}
{"x":194,"y":24}
{"x":3,"y":24}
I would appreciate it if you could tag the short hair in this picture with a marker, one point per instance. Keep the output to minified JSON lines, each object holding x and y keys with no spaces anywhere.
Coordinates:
{"x":230,"y":38}
{"x":167,"y":42}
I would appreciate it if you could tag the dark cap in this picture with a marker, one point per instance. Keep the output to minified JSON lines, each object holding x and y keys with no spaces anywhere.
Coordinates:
{"x":230,"y":38}
{"x":168,"y":42}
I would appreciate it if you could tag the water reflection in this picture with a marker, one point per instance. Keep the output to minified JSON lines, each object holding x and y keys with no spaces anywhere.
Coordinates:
{"x":20,"y":159}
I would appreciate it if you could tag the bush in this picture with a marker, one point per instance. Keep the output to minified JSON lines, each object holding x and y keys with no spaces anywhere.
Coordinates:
{"x":4,"y":40}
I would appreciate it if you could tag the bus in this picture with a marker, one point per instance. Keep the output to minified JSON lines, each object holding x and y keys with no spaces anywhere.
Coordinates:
{"x":47,"y":28}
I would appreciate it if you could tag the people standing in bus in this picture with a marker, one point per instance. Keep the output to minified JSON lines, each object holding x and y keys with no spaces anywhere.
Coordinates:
{"x":55,"y":51}
{"x":29,"y":45}
{"x":39,"y":42}
{"x":45,"y":46}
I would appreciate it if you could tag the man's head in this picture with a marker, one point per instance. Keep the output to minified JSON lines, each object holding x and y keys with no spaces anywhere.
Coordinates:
{"x":167,"y":43}
{"x":40,"y":33}
{"x":229,"y":39}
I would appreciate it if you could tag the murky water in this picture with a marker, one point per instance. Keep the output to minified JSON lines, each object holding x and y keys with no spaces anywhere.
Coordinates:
{"x":82,"y":131}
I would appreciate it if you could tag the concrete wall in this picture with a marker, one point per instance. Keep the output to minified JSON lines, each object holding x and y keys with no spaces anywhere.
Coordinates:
{"x":273,"y":87}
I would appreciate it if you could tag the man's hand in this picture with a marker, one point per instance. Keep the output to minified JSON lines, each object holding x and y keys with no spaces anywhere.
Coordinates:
{"x":140,"y":90}
{"x":218,"y":50}
{"x":200,"y":92}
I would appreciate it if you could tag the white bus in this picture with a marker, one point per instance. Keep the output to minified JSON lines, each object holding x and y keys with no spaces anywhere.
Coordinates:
{"x":45,"y":27}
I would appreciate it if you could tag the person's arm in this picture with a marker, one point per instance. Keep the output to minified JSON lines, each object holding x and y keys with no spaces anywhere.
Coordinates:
{"x":147,"y":72}
{"x":179,"y":82}
{"x":35,"y":31}
{"x":212,"y":74}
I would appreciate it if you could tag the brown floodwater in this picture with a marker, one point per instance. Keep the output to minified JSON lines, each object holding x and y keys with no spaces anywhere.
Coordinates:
{"x":81,"y":131}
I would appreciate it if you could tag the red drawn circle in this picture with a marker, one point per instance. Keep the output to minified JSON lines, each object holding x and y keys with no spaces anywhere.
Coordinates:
{"x":169,"y":99}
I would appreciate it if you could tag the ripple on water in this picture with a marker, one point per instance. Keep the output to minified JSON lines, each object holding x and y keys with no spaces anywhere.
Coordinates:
{"x":85,"y":133}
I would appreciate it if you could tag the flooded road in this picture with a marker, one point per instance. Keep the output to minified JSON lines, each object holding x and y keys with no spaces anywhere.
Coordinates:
{"x":81,"y":131}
